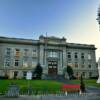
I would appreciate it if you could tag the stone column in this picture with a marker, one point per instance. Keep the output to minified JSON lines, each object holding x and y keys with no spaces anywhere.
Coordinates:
{"x":20,"y":74}
{"x":42,"y":59}
{"x":11,"y":74}
{"x":60,"y":63}
{"x":41,"y":53}
{"x":64,"y":57}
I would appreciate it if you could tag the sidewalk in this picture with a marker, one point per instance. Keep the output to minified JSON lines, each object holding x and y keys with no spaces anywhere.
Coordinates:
{"x":92,"y":89}
{"x":54,"y":97}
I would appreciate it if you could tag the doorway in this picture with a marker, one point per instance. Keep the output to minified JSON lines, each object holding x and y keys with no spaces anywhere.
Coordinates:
{"x":15,"y":74}
{"x":52,"y":67}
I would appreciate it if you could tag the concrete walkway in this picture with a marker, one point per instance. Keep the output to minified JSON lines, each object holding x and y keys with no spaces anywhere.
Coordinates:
{"x":92,"y":89}
{"x":53,"y":97}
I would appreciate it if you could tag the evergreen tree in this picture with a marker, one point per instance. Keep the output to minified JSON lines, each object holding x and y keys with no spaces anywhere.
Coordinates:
{"x":82,"y":85}
{"x":70,"y":71}
{"x":38,"y":71}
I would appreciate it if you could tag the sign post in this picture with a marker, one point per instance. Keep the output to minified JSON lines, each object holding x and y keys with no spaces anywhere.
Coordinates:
{"x":29,"y":77}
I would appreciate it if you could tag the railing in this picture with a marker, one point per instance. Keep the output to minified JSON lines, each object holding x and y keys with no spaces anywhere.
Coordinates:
{"x":44,"y":95}
{"x":14,"y":91}
{"x":40,"y":92}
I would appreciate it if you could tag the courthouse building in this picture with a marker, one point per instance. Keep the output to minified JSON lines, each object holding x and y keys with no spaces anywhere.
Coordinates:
{"x":17,"y":56}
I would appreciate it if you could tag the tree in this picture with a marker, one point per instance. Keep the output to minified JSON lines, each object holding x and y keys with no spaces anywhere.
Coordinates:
{"x":38,"y":71}
{"x":70,"y":72}
{"x":82,"y":85}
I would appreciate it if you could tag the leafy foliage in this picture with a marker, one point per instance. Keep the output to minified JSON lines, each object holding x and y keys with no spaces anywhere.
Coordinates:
{"x":38,"y":71}
{"x":82,"y":85}
{"x":70,"y":71}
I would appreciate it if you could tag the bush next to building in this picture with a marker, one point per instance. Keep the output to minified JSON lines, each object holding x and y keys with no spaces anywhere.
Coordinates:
{"x":3,"y":77}
{"x":96,"y":77}
{"x":82,"y":85}
{"x":38,"y":72}
{"x":70,"y":72}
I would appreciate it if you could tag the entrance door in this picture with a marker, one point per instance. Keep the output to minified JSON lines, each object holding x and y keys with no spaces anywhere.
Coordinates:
{"x":15,"y":74}
{"x":52,"y":67}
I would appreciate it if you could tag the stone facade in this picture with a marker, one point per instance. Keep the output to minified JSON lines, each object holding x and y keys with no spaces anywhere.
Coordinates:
{"x":17,"y":56}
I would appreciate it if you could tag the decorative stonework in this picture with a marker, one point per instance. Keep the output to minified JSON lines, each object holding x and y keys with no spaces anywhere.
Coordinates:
{"x":47,"y":48}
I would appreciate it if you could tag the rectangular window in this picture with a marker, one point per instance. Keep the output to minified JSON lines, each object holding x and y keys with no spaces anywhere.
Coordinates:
{"x":7,"y":63}
{"x":16,"y":62}
{"x":52,"y":54}
{"x":25,"y":64}
{"x":17,"y":52}
{"x":77,"y":74}
{"x":89,"y":56}
{"x":25,"y":52}
{"x":25,"y":61}
{"x":24,"y":74}
{"x":90,"y":74}
{"x":8,"y":51}
{"x":76,"y":64}
{"x":82,"y":55}
{"x":83,"y":73}
{"x":89,"y":65}
{"x":76,"y":56}
{"x":69,"y":55}
{"x":82,"y":65}
{"x":34,"y":53}
{"x":7,"y":58}
{"x":15,"y":74}
{"x":69,"y":64}
{"x":69,"y":60}
{"x":34,"y":63}
{"x":49,"y":54}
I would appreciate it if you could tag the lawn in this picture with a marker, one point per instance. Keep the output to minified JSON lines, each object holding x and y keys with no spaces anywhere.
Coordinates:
{"x":49,"y":86}
{"x":88,"y":82}
{"x":39,"y":85}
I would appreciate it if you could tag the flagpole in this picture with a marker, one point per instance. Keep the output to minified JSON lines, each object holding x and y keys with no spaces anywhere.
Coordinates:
{"x":45,"y":48}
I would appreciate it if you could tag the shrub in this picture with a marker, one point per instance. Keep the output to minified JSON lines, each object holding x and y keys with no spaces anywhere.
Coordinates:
{"x":3,"y":77}
{"x":96,"y":77}
{"x":70,"y":72}
{"x":38,"y":72}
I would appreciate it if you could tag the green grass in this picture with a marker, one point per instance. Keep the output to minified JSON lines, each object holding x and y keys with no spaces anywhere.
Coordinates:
{"x":39,"y":85}
{"x":88,"y":82}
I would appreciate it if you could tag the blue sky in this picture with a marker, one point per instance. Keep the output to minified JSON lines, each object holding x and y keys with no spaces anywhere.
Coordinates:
{"x":73,"y":19}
